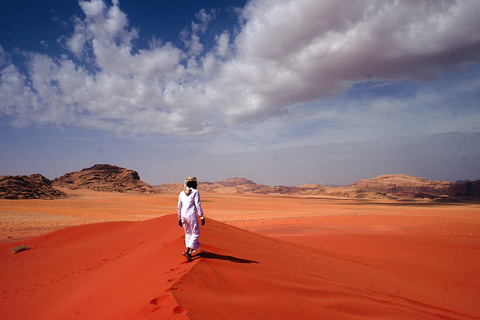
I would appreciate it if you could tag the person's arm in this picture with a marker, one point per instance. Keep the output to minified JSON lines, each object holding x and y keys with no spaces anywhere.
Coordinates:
{"x":179,"y":210}
{"x":198,"y":204}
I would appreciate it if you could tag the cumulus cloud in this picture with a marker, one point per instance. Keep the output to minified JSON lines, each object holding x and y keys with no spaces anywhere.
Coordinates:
{"x":296,"y":51}
{"x":285,"y":53}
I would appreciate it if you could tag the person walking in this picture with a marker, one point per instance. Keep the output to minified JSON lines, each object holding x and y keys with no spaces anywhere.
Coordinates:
{"x":189,"y":208}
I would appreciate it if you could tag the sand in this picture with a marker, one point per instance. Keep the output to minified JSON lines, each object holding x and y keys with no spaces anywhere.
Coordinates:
{"x":118,"y":256}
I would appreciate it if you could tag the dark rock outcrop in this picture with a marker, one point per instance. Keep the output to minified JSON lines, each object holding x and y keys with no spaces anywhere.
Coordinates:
{"x":468,"y":189}
{"x":34,"y":186}
{"x":105,"y":177}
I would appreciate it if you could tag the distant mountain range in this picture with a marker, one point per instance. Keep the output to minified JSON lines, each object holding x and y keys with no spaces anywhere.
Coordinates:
{"x":108,"y":178}
{"x":100,"y":177}
{"x":398,"y":186}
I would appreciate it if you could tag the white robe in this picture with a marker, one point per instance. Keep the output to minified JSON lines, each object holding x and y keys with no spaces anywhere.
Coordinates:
{"x":189,"y":208}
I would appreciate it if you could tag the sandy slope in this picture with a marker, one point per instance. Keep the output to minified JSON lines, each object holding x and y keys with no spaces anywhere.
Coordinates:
{"x":265,"y":278}
{"x":114,"y":270}
{"x":21,"y":219}
{"x":308,"y":258}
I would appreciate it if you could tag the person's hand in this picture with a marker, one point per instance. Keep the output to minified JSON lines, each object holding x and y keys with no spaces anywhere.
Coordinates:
{"x":180,"y":223}
{"x":203,"y":221}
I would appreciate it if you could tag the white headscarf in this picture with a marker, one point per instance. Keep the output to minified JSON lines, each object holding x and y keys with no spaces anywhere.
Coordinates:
{"x":187,"y":189}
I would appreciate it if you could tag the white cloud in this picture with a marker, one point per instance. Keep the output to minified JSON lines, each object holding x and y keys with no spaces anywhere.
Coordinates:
{"x":191,"y":37}
{"x":301,"y":50}
{"x":92,"y":8}
{"x":286,"y":53}
{"x":223,"y":45}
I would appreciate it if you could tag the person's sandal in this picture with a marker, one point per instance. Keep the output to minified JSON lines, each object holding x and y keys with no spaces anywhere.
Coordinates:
{"x":188,"y":256}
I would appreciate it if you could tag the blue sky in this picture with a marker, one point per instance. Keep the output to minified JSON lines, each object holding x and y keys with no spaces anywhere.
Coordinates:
{"x":281,"y":92}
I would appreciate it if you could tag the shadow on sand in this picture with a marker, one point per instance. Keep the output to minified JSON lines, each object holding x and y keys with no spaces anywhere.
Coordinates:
{"x":211,"y":255}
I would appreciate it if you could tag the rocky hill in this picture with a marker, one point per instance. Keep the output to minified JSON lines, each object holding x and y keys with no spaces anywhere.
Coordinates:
{"x":242,"y":186}
{"x":382,"y":187}
{"x":34,"y":186}
{"x":105,"y":177}
{"x":405,"y":186}
{"x":355,"y":192}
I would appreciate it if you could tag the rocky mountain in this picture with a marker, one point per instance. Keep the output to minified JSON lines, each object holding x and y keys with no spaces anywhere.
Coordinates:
{"x":105,"y":177}
{"x":241,"y":186}
{"x":34,"y":186}
{"x":233,"y":182}
{"x":355,"y":192}
{"x":405,"y":186}
{"x":382,"y":187}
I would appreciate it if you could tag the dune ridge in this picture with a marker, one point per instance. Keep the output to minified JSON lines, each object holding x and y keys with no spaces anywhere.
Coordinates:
{"x":259,"y":277}
{"x":134,"y":270}
{"x":111,"y":270}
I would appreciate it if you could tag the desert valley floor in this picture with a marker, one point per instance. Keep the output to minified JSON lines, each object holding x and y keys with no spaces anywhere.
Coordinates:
{"x":99,"y":255}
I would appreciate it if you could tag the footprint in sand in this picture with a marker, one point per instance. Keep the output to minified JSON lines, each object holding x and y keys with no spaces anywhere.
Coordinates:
{"x":158,"y":300}
{"x":179,"y":309}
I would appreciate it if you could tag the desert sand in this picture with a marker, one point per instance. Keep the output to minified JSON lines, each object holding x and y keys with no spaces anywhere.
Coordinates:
{"x":99,"y":255}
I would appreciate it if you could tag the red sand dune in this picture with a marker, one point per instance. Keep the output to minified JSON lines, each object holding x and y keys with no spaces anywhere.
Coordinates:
{"x":135,"y":270}
{"x":251,"y":276}
{"x":113,"y":270}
